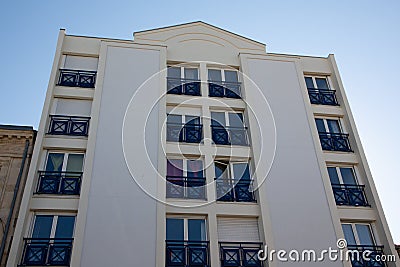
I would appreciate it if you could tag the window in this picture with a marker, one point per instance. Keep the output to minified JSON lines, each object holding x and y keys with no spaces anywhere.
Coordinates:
{"x":184,"y":128}
{"x":51,"y":240}
{"x":186,"y":243}
{"x":223,"y":83}
{"x":62,"y":174}
{"x":185,"y":179}
{"x":183,"y":80}
{"x":233,"y":181}
{"x":228,"y":128}
{"x":319,"y":91}
{"x":345,"y":187}
{"x":331,"y":135}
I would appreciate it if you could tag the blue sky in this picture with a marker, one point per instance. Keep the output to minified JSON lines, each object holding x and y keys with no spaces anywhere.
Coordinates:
{"x":363,"y":35}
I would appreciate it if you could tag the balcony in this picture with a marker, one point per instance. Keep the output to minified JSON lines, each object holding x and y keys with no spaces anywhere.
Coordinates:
{"x":179,"y":86}
{"x":224,"y":89}
{"x":46,"y":252}
{"x":60,"y":183}
{"x":187,"y":254}
{"x":373,"y":261}
{"x":187,"y":133}
{"x":335,"y":142}
{"x":240,"y":254}
{"x":224,"y":135}
{"x":186,"y":187}
{"x":349,"y":195}
{"x":322,"y":97}
{"x":68,"y":125}
{"x":230,"y":190}
{"x":77,"y":78}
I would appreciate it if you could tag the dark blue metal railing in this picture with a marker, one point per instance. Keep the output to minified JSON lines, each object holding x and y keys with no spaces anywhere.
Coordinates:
{"x":188,"y":133}
{"x":226,"y":135}
{"x":186,"y":187}
{"x":322,"y":97}
{"x":374,"y":256}
{"x":46,"y":252}
{"x":77,"y":78}
{"x":69,"y":125}
{"x":240,"y":254}
{"x":187,"y":253}
{"x":231,"y":190}
{"x":178,"y":86}
{"x":349,"y":195}
{"x":335,"y":142}
{"x":63,"y":183}
{"x":224,"y":89}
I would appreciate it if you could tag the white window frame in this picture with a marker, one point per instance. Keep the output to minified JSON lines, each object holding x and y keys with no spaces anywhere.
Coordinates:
{"x":226,"y":114}
{"x":182,"y":68}
{"x":371,"y":227}
{"x":337,"y":167}
{"x":222,"y":70}
{"x":230,"y":167}
{"x":325,"y":120}
{"x":186,"y":224}
{"x":185,"y":161}
{"x":327,"y":77}
{"x":65,"y":160}
{"x":54,"y":223}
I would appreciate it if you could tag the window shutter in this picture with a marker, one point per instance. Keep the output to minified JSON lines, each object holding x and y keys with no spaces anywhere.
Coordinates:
{"x":81,"y":63}
{"x":238,"y":229}
{"x":73,"y":107}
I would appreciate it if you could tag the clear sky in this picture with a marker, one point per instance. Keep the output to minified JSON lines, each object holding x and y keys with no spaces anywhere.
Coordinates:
{"x":363,"y":35}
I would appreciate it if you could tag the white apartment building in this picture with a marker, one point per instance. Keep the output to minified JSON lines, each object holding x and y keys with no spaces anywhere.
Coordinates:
{"x":192,"y":146}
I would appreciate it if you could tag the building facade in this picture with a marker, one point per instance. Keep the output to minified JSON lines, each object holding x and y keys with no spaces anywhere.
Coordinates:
{"x":16,"y":146}
{"x":193,"y":146}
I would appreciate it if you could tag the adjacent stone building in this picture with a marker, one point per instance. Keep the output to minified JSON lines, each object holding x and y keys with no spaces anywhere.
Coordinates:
{"x":16,"y":143}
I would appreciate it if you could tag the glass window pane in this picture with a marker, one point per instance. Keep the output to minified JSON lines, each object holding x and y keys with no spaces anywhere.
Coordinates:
{"x":192,"y":120}
{"x":75,"y":163}
{"x":333,"y":126}
{"x":348,"y":176}
{"x":195,"y":168}
{"x":348,"y":234}
{"x":175,"y":167}
{"x":218,"y":119}
{"x":333,"y":175}
{"x":42,"y":227}
{"x":309,"y":82}
{"x":231,"y":76}
{"x":191,"y":73}
{"x":65,"y":227}
{"x":241,"y":171}
{"x":236,"y":120}
{"x":55,"y":162}
{"x":175,"y":229}
{"x":197,"y":230}
{"x":174,"y":72}
{"x":322,"y":83}
{"x":364,"y":234}
{"x":320,"y":125}
{"x":174,"y":119}
{"x":214,"y":75}
{"x":221,"y":170}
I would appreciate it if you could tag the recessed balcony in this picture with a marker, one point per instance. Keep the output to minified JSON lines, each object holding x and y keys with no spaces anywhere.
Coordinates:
{"x":68,"y":125}
{"x":46,"y":252}
{"x":178,"y":86}
{"x":224,"y":89}
{"x":322,"y":97}
{"x":335,"y":142}
{"x":240,"y":254}
{"x":187,"y":254}
{"x":77,"y":78}
{"x":59,"y":183}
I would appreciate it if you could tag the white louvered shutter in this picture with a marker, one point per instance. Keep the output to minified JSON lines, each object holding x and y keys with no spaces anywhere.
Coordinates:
{"x":81,"y":63}
{"x":238,"y":230}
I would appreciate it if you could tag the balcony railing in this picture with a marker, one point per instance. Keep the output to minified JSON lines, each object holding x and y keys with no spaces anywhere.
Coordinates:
{"x":69,"y":125}
{"x":224,"y":135}
{"x":322,"y":97}
{"x":179,"y":86}
{"x":77,"y":78}
{"x":186,"y":187}
{"x":187,"y":254}
{"x":46,"y":252}
{"x":63,"y":183}
{"x":224,"y":89}
{"x":335,"y":142}
{"x":188,"y":133}
{"x":240,"y":254}
{"x":349,"y":195}
{"x":375,"y":256}
{"x":230,"y":190}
